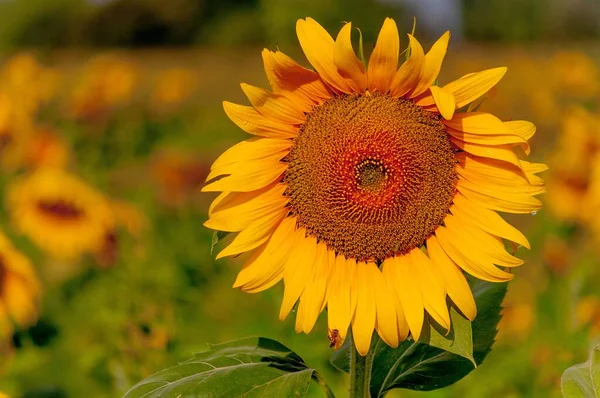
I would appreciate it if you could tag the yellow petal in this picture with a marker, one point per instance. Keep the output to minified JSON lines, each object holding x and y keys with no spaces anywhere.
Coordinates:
{"x":383,"y":62}
{"x":348,"y":65}
{"x":268,"y":262}
{"x":499,"y":172}
{"x":407,"y":76}
{"x":523,"y":129}
{"x":331,"y":267}
{"x":386,"y":325}
{"x":489,"y":220}
{"x":456,"y":284}
{"x":489,"y":184}
{"x":519,"y":203}
{"x":363,"y":322}
{"x":297,"y":271}
{"x":249,"y":176}
{"x":254,"y":148}
{"x":241,"y":209}
{"x":318,"y":46}
{"x":313,"y":295}
{"x":431,"y":285}
{"x":468,"y":88}
{"x":432,"y":65}
{"x":531,"y":169}
{"x":459,"y":250}
{"x":479,"y":123}
{"x":409,"y":293}
{"x":338,"y":304}
{"x":251,"y":121}
{"x":254,"y":235}
{"x":287,"y":77}
{"x":353,"y":274}
{"x":499,"y":152}
{"x":486,"y":247}
{"x":444,"y":101}
{"x":389,"y":274}
{"x":217,"y":201}
{"x":490,"y":140}
{"x":272,"y":105}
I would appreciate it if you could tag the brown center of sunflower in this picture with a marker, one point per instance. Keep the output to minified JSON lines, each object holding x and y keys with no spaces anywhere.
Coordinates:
{"x":370,"y":176}
{"x":60,"y":209}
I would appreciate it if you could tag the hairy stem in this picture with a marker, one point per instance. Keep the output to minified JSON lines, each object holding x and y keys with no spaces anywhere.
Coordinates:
{"x":360,"y":373}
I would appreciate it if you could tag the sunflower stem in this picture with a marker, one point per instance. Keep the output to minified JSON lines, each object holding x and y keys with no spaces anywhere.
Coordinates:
{"x":360,"y":373}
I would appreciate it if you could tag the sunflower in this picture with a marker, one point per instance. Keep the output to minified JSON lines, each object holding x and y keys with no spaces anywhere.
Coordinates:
{"x":572,"y":180}
{"x":107,"y":83}
{"x":19,"y":290}
{"x":172,"y":88}
{"x":59,"y":212}
{"x":46,"y":148}
{"x":368,"y":190}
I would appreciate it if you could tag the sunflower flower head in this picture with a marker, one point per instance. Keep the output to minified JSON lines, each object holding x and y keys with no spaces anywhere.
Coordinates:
{"x":367,"y":189}
{"x":60,"y":213}
{"x":172,"y":88}
{"x":107,"y":83}
{"x":574,"y":169}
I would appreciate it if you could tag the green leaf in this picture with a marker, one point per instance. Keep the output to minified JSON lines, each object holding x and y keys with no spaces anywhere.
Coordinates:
{"x":583,"y":380}
{"x":420,"y":366}
{"x":251,"y":367}
{"x":216,"y":238}
{"x":458,"y":340}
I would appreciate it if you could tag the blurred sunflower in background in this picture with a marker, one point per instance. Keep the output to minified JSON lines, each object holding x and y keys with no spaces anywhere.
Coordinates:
{"x":20,"y":290}
{"x":46,"y":148}
{"x":25,"y":86}
{"x":107,"y":83}
{"x":60,"y":213}
{"x":172,"y":88}
{"x":573,"y":164}
{"x":369,"y":190}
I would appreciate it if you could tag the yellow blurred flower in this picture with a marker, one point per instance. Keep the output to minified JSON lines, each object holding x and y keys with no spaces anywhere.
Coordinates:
{"x":588,"y":314}
{"x":590,"y":212}
{"x":130,"y":217}
{"x":25,"y":86}
{"x":517,"y":320}
{"x":46,"y":148}
{"x":572,"y":162}
{"x":557,"y":254}
{"x":178,"y":175}
{"x":62,"y":214}
{"x":108,"y":82}
{"x":127,"y":216}
{"x":19,"y":290}
{"x":172,"y":87}
{"x":575,"y":74}
{"x":29,"y":83}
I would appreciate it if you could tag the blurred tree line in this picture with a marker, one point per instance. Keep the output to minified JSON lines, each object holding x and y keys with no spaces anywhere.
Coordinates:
{"x":135,"y":23}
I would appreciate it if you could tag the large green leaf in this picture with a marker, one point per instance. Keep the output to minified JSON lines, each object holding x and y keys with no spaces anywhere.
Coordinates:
{"x":421,"y":366}
{"x":583,"y":380}
{"x":251,"y":367}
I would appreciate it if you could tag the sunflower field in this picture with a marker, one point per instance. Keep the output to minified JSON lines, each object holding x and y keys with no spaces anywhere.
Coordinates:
{"x":125,"y":246}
